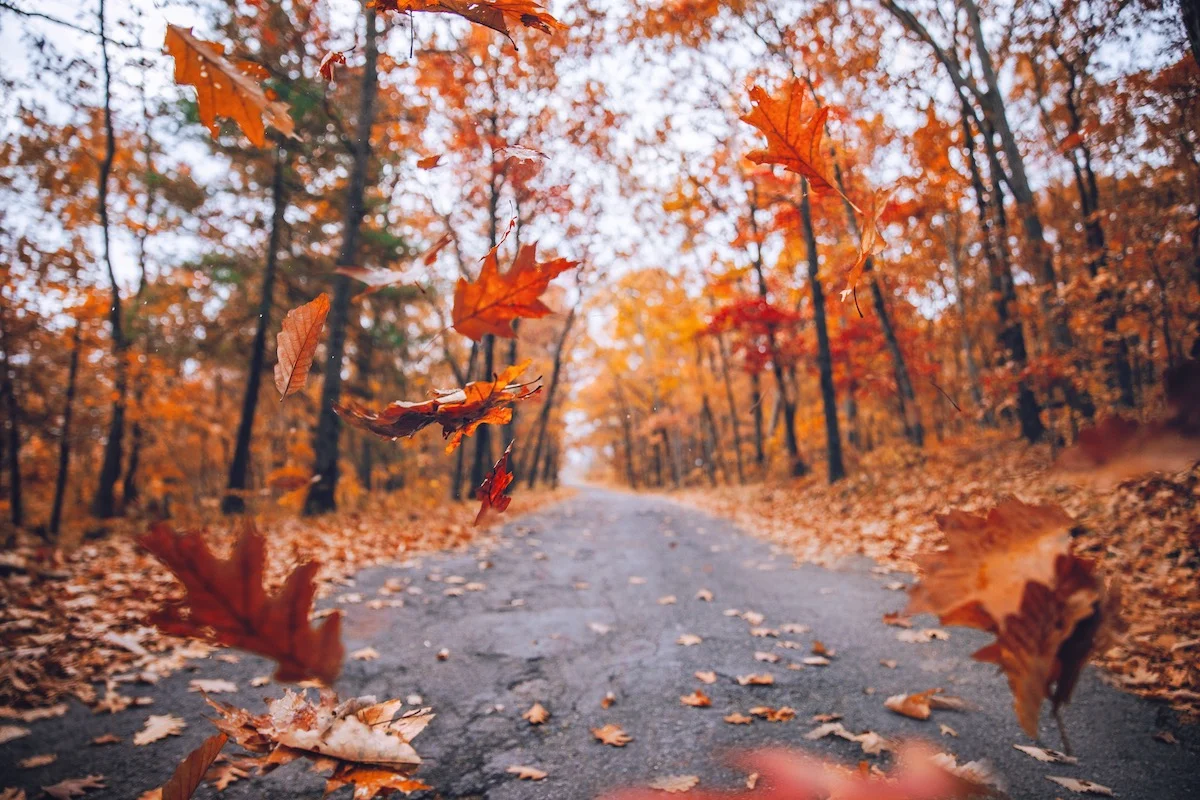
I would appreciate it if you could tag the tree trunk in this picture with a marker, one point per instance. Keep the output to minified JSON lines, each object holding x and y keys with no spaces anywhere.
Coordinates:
{"x":12,"y":442}
{"x":510,"y":428}
{"x":734,"y":424}
{"x":483,"y":435}
{"x":104,"y":504}
{"x":548,"y":406}
{"x":234,"y":502}
{"x":627,"y":431}
{"x":960,"y":301}
{"x":1190,"y":12}
{"x":322,"y":493}
{"x":64,"y":437}
{"x":833,"y":438}
{"x":756,"y":400}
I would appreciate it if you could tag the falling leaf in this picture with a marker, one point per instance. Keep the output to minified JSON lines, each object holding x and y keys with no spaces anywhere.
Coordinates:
{"x":527,"y":773}
{"x":459,"y":412}
{"x":696,"y":699}
{"x":211,"y":685}
{"x":224,"y":90}
{"x":365,"y":654}
{"x":794,"y":129}
{"x":33,"y":762}
{"x":429,"y":162}
{"x":494,"y":14}
{"x":74,"y":787}
{"x":1081,"y":786}
{"x":738,"y":718}
{"x":228,"y":604}
{"x":674,"y":784}
{"x":536,"y":715}
{"x":329,"y":63}
{"x":612,"y":734}
{"x":688,"y":640}
{"x":159,"y":726}
{"x":297,"y":342}
{"x":706,"y":676}
{"x":492,"y":491}
{"x":520,"y":153}
{"x":191,"y":770}
{"x":491,"y":303}
{"x":378,"y":279}
{"x":871,"y":244}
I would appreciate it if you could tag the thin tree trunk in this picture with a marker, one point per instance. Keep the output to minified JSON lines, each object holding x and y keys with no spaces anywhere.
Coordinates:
{"x":510,"y":428}
{"x":734,"y":424}
{"x":960,"y":301}
{"x":1189,"y":10}
{"x":756,"y":400}
{"x":322,"y":494}
{"x":12,"y":449}
{"x":104,"y":504}
{"x":627,"y":430}
{"x":833,"y":438}
{"x":64,"y":438}
{"x":551,"y":392}
{"x":234,"y":502}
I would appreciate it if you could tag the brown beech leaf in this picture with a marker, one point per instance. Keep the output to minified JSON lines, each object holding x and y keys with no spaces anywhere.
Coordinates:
{"x":527,"y":773}
{"x":495,"y":299}
{"x":536,"y":715}
{"x":1119,"y":449}
{"x":697,"y":699}
{"x":159,"y":726}
{"x":429,"y":162}
{"x":871,"y":244}
{"x":460,"y":412}
{"x":915,"y":705}
{"x":329,"y":63}
{"x":227,"y":603}
{"x":1043,"y":648}
{"x":297,"y":342}
{"x":191,"y":770}
{"x":979,"y":578}
{"x":494,"y":14}
{"x":794,"y":128}
{"x":492,"y":493}
{"x":612,"y":734}
{"x":920,"y":773}
{"x":74,"y":787}
{"x":363,"y":741}
{"x":224,"y":89}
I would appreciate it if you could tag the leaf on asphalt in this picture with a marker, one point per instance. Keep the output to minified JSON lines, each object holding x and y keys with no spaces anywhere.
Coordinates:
{"x":74,"y":787}
{"x":225,"y":89}
{"x":738,"y":718}
{"x":781,"y":714}
{"x":489,"y":304}
{"x":42,"y":760}
{"x":228,"y":604}
{"x":667,"y":600}
{"x":363,"y":741}
{"x":527,"y":773}
{"x":870,"y":742}
{"x":757,"y":679}
{"x":946,"y":730}
{"x":1043,"y":648}
{"x":536,"y":715}
{"x":697,"y":699}
{"x":106,"y":738}
{"x":493,"y":491}
{"x":460,"y":412}
{"x":10,"y":732}
{"x":688,"y":640}
{"x":915,"y":705}
{"x":159,"y":726}
{"x":923,"y":636}
{"x":211,"y":685}
{"x":706,"y":676}
{"x":1046,"y":755}
{"x":365,"y":654}
{"x":769,"y":658}
{"x":704,"y":596}
{"x":191,"y":770}
{"x":612,"y":734}
{"x":674,"y":784}
{"x":1081,"y":786}
{"x":297,"y":343}
{"x":978,"y":580}
{"x":897,"y":619}
{"x":816,"y":661}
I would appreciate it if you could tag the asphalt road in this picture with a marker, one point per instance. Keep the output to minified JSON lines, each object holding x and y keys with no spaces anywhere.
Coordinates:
{"x":537,"y":633}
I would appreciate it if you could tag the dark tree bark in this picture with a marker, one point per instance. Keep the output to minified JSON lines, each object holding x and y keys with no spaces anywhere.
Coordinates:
{"x":234,"y":502}
{"x":833,"y":437}
{"x":1189,"y":10}
{"x":104,"y":503}
{"x":734,"y":424}
{"x":531,"y":465}
{"x":631,"y":474}
{"x":756,"y":413}
{"x":322,"y":493}
{"x":64,"y":437}
{"x":12,"y":431}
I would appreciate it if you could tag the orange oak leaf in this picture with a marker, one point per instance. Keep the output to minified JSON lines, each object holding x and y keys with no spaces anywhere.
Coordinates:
{"x":871,"y":244}
{"x":429,"y":162}
{"x":227,"y":603}
{"x":494,"y":14}
{"x":978,"y":580}
{"x":329,"y":62}
{"x":225,"y":89}
{"x":296,"y":344}
{"x":191,"y":770}
{"x":492,"y":491}
{"x":794,"y":129}
{"x":1043,"y":647}
{"x":460,"y":412}
{"x":495,"y":299}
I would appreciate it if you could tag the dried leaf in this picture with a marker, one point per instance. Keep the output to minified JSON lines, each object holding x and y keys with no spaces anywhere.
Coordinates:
{"x":297,"y":342}
{"x":329,"y":62}
{"x":10,"y":732}
{"x":365,"y":654}
{"x":674,"y":784}
{"x":872,"y":243}
{"x":1081,"y":786}
{"x":159,"y":726}
{"x":794,"y":129}
{"x":227,"y":603}
{"x":612,"y":734}
{"x":706,"y":676}
{"x":763,"y":679}
{"x":1045,"y":755}
{"x":494,"y":14}
{"x":492,"y":492}
{"x":74,"y":787}
{"x":911,"y":705}
{"x":697,"y":699}
{"x":459,"y":412}
{"x":211,"y":685}
{"x":224,"y":90}
{"x":527,"y":773}
{"x":33,"y":762}
{"x":491,"y":303}
{"x":191,"y":770}
{"x":536,"y":715}
{"x":738,"y":718}
{"x":688,"y":640}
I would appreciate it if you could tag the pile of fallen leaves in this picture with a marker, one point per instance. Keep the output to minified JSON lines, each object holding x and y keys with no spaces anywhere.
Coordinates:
{"x":1145,"y":530}
{"x":77,"y":624}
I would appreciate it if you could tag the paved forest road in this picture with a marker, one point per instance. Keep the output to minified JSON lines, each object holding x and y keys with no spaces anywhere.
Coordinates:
{"x":529,"y":637}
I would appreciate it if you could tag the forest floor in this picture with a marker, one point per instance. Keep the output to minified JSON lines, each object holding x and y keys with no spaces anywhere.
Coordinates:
{"x":591,"y":596}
